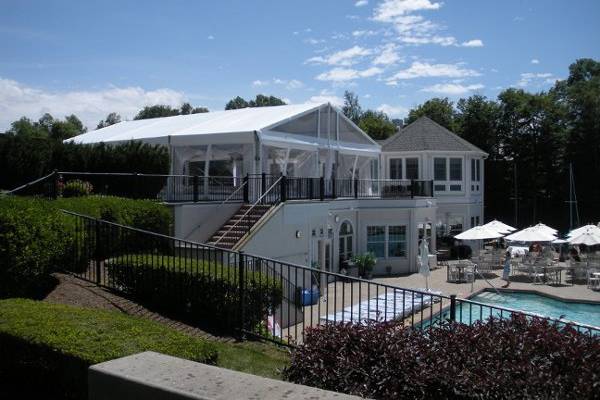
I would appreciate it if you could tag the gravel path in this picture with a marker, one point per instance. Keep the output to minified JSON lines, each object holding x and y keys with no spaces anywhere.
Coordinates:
{"x":77,"y":292}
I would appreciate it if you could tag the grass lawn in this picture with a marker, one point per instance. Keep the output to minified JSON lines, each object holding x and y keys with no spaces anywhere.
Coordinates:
{"x":53,"y":344}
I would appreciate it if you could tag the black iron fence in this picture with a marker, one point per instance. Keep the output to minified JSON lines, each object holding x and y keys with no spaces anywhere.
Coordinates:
{"x":193,"y":188}
{"x":231,"y":291}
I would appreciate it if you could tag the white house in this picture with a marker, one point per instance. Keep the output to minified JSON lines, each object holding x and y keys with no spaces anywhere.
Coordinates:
{"x":428,"y":151}
{"x":303,"y":184}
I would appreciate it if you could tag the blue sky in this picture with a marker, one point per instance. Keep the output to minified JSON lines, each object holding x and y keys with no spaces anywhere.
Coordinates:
{"x":91,"y":58}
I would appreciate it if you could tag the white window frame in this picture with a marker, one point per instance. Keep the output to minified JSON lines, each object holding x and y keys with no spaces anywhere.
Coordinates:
{"x":386,"y":241}
{"x":403,"y":175}
{"x":447,"y":183}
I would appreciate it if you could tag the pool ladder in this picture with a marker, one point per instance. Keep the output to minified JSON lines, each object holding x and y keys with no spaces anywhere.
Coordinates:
{"x":485,"y":279}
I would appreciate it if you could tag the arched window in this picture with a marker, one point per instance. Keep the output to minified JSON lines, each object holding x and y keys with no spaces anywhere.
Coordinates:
{"x":346,"y":250}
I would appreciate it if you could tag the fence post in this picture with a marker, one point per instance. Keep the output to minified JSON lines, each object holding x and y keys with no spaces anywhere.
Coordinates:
{"x":98,"y":250}
{"x":412,"y":189}
{"x":241,"y":294}
{"x":195,"y":187}
{"x":322,"y":188}
{"x":453,"y":307}
{"x":246,"y":189}
{"x":355,"y":188}
{"x":283,"y":188}
{"x":333,"y":194}
{"x":263,"y":184}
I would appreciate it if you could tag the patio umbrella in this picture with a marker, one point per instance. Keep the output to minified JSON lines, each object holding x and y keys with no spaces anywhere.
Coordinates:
{"x":545,"y":228}
{"x":559,"y":241}
{"x":583,"y":229}
{"x":531,"y":234}
{"x":498,"y":226}
{"x":423,"y":261}
{"x":479,"y":233}
{"x":589,"y":238}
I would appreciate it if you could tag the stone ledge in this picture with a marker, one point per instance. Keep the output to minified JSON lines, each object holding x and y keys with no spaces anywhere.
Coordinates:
{"x":161,"y":377}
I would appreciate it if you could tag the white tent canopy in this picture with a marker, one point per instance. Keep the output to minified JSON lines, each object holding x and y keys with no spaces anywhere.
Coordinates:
{"x":532,"y":234}
{"x":308,"y":139}
{"x":498,"y":226}
{"x":479,"y":233}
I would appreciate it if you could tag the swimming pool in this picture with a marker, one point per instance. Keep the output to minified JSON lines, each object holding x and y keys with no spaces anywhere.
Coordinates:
{"x":582,"y":313}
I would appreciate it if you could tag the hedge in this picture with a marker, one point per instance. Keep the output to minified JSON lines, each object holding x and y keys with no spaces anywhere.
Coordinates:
{"x":47,"y":348}
{"x":33,"y":240}
{"x":499,"y":359}
{"x":36,"y":238}
{"x":205,"y":293}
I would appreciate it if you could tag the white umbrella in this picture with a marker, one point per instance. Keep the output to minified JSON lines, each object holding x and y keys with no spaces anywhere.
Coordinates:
{"x":531,"y":234}
{"x":423,"y":261}
{"x":479,"y":233}
{"x":545,"y":228}
{"x":589,"y":238}
{"x":583,"y":229}
{"x":559,"y":241}
{"x":498,"y":226}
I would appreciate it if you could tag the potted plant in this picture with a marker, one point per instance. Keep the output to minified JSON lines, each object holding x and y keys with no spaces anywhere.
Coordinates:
{"x":365,"y":263}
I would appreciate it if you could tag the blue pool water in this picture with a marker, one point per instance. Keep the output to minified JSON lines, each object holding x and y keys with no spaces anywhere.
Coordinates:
{"x":583,"y":313}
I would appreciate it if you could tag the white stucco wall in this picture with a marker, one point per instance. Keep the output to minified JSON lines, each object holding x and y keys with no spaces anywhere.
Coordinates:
{"x":198,"y":222}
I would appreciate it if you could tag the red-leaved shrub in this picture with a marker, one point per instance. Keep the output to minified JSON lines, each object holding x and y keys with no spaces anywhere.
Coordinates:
{"x":499,"y":359}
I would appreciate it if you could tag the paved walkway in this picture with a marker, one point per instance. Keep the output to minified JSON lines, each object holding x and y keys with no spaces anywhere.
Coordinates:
{"x":77,"y":292}
{"x":437,"y":281}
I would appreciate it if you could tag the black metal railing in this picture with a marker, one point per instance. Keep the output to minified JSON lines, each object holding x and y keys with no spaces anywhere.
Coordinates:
{"x":237,"y":292}
{"x":193,"y":188}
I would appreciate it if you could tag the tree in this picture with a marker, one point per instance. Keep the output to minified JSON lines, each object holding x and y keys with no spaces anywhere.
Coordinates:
{"x":439,"y":110}
{"x":476,"y":121}
{"x":260,"y":101}
{"x":24,"y":127}
{"x":351,"y":108}
{"x":71,"y":126}
{"x":111,"y":119}
{"x":376,"y":124}
{"x":156,"y":111}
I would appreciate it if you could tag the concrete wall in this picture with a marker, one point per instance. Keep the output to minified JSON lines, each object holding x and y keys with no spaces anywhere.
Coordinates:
{"x":197,"y":222}
{"x":157,"y":376}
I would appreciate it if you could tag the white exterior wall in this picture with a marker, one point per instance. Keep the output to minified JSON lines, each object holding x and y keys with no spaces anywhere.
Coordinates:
{"x":321,"y":221}
{"x":198,"y":221}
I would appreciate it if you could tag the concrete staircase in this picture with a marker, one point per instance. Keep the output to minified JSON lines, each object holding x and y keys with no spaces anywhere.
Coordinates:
{"x":237,"y":226}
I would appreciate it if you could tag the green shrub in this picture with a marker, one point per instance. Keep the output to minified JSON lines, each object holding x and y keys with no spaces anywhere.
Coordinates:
{"x":47,"y":348}
{"x":206,"y":293}
{"x":77,"y":188}
{"x":141,"y":214}
{"x":34,"y":239}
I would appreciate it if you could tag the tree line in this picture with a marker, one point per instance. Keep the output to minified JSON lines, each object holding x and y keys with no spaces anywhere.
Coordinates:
{"x":533,"y":139}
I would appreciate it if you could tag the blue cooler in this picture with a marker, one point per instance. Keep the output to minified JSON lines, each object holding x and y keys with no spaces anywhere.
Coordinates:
{"x":307,"y":297}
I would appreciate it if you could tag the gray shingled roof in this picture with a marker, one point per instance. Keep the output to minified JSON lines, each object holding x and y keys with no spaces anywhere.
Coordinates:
{"x":427,"y":135}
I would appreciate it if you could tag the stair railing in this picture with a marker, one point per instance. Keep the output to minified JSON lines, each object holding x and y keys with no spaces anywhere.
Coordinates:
{"x":220,"y":204}
{"x":248,"y":211}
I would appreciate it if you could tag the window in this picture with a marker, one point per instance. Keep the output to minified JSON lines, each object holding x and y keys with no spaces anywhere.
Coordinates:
{"x":475,"y":170}
{"x":397,"y":241}
{"x":439,"y":169}
{"x":439,"y":188}
{"x":376,"y":240}
{"x":455,"y":169}
{"x":477,"y":220}
{"x":412,"y":168}
{"x":395,"y":168}
{"x":346,"y":247}
{"x":478,"y":170}
{"x":472,"y":222}
{"x":455,"y":188}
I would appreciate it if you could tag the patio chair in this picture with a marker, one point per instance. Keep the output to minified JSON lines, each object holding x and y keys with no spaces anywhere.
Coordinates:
{"x":593,"y":279}
{"x":537,"y":274}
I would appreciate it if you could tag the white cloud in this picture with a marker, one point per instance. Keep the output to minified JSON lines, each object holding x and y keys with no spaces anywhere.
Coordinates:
{"x":426,"y":70}
{"x":452,"y":88}
{"x":361,"y":3}
{"x":535,"y":61}
{"x":393,"y":111}
{"x":325,"y":96}
{"x":210,"y":37}
{"x":347,"y":74}
{"x":529,"y":78}
{"x":389,"y":10}
{"x":388,"y":55}
{"x":290,"y":84}
{"x":343,"y":57}
{"x":472,"y":43}
{"x":314,"y":41}
{"x":17,"y":100}
{"x":363,"y":33}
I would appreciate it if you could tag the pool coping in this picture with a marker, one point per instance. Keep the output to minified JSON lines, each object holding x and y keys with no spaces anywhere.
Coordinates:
{"x":536,"y":292}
